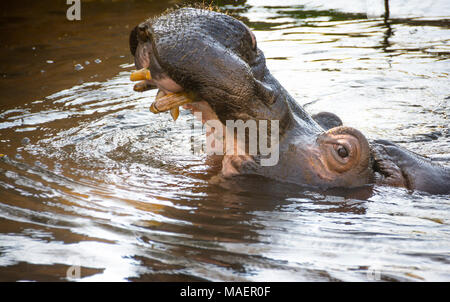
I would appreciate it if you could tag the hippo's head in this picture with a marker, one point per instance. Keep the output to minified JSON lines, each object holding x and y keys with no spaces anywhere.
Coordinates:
{"x":214,"y":59}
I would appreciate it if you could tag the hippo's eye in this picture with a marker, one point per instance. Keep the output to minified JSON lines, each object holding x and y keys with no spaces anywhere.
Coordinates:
{"x":342,"y":151}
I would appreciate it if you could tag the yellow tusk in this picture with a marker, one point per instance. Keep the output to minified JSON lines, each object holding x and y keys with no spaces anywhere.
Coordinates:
{"x":175,"y":112}
{"x":142,"y":74}
{"x":169,"y":101}
{"x":141,"y":86}
{"x":159,"y":95}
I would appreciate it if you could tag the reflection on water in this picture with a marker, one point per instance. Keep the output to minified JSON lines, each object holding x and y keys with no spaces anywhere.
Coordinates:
{"x":91,"y":178}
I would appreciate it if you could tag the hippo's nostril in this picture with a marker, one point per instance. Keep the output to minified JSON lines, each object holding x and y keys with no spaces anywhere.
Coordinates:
{"x":143,"y":33}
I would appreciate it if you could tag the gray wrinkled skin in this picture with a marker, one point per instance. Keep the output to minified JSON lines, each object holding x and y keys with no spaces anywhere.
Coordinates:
{"x":397,"y":166}
{"x":215,"y":57}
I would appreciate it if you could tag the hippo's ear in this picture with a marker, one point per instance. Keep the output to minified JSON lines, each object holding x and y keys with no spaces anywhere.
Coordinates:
{"x":327,"y":120}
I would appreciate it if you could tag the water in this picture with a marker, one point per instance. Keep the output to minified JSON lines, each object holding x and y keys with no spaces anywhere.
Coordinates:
{"x":94,"y":184}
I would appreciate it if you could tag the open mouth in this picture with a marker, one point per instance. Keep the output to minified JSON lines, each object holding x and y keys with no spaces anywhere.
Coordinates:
{"x":164,"y":101}
{"x":195,"y":55}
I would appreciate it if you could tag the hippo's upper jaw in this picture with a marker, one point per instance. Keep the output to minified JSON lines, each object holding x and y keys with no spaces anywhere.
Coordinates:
{"x":215,"y":57}
{"x":213,"y":60}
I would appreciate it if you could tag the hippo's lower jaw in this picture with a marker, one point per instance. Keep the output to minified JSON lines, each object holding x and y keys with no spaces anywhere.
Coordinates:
{"x":212,"y":57}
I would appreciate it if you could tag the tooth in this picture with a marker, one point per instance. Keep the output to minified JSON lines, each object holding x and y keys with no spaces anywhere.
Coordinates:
{"x":139,"y":75}
{"x":159,"y":95}
{"x":165,"y":102}
{"x":142,"y":86}
{"x":175,"y":112}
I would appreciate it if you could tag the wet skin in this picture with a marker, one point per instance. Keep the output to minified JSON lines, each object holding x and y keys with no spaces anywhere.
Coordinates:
{"x":214,"y":59}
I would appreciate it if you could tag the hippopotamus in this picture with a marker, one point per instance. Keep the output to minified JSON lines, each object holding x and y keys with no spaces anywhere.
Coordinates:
{"x":210,"y":62}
